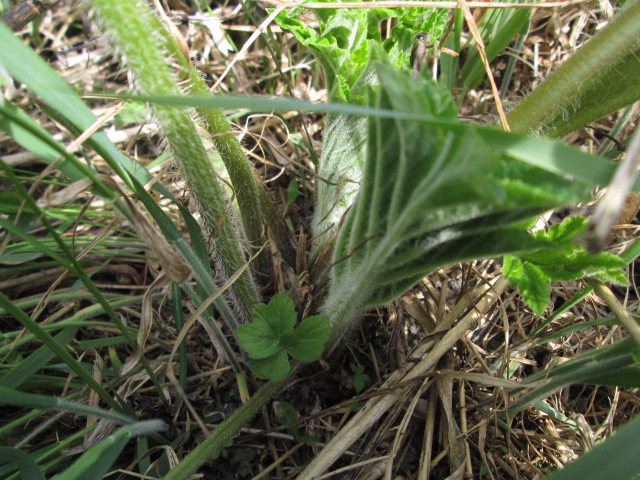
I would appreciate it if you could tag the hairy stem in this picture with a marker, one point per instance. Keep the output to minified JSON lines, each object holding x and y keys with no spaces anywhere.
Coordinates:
{"x":562,"y":91}
{"x":213,"y":445}
{"x":257,"y":208}
{"x":130,"y":26}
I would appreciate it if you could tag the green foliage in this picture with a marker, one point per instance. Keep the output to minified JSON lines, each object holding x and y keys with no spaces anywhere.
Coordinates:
{"x":272,"y":336}
{"x":411,"y":188}
{"x":345,"y":39}
{"x":345,"y":42}
{"x":360,"y":379}
{"x":290,"y":415}
{"x":564,"y":259}
{"x":430,"y":196}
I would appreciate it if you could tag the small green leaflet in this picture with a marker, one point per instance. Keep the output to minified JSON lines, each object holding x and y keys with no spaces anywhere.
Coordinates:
{"x":564,"y":259}
{"x":290,"y":415}
{"x":272,"y":336}
{"x":360,"y":379}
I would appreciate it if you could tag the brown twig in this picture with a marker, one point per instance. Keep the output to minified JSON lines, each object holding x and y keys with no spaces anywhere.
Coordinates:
{"x":24,"y":12}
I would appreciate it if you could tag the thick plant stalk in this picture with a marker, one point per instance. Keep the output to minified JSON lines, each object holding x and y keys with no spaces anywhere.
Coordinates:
{"x":249,"y":189}
{"x":213,"y":445}
{"x":593,"y":79}
{"x":130,"y":26}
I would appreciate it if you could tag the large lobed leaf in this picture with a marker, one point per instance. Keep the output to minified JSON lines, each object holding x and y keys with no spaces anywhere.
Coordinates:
{"x":430,"y":196}
{"x":345,"y":42}
{"x":344,"y":39}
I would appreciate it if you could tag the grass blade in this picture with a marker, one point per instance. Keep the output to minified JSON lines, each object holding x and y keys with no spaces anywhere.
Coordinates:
{"x":28,"y":468}
{"x":9,"y":396}
{"x":34,"y":362}
{"x":97,"y":461}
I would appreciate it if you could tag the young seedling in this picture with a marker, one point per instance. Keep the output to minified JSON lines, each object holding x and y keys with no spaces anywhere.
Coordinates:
{"x":288,"y":414}
{"x":360,"y":379}
{"x":272,"y":336}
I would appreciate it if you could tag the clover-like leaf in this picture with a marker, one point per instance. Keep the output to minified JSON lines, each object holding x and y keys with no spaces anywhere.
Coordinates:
{"x":307,"y":341}
{"x":275,"y":367}
{"x":258,"y":339}
{"x":270,"y":337}
{"x":279,"y":314}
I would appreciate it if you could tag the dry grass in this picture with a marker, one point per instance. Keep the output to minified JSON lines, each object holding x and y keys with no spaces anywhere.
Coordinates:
{"x":440,"y":424}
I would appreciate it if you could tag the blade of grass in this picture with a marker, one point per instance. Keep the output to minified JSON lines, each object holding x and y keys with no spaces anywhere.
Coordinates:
{"x":28,"y":468}
{"x":211,"y":447}
{"x":35,"y":361}
{"x":76,"y":320}
{"x":43,"y":336}
{"x":10,"y":396}
{"x":97,"y":461}
{"x":183,"y":361}
{"x":67,"y":108}
{"x":473,"y":69}
{"x":73,"y":266}
{"x":554,"y":157}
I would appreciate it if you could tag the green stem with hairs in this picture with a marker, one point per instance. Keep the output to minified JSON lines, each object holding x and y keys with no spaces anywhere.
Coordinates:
{"x":600,"y":78}
{"x":254,"y":201}
{"x":211,"y":447}
{"x":130,"y":25}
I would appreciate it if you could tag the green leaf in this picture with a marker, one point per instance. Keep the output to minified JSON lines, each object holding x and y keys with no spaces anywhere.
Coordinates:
{"x":561,"y":260}
{"x":600,"y":367}
{"x":564,"y":232}
{"x":275,"y":367}
{"x":262,"y":337}
{"x":307,"y":341}
{"x":345,"y":42}
{"x":587,"y":86}
{"x":258,"y":339}
{"x":360,"y":379}
{"x":290,"y":415}
{"x":270,"y":336}
{"x":617,"y":457}
{"x":530,"y":281}
{"x":293,"y":192}
{"x":279,"y":314}
{"x":345,"y":38}
{"x":428,"y":197}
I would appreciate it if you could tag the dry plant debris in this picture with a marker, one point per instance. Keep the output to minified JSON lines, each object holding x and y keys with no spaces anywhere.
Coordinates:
{"x":442,"y":420}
